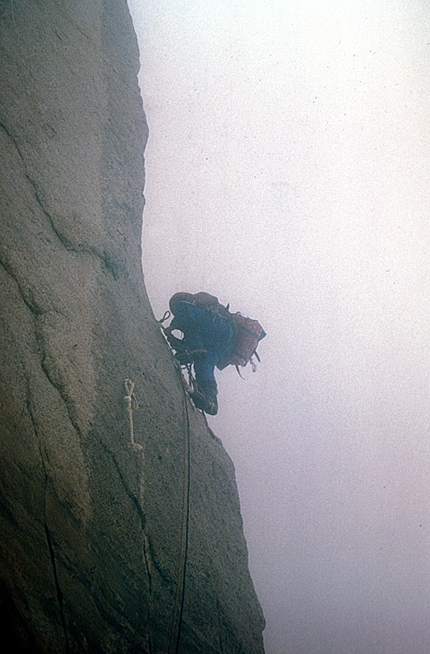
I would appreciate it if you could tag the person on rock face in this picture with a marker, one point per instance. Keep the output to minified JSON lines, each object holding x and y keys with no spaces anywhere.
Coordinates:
{"x":208,"y":339}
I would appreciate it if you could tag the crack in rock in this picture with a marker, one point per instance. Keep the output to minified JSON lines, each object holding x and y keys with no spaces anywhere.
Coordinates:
{"x":38,"y":312}
{"x":47,"y":531}
{"x":109,"y":261}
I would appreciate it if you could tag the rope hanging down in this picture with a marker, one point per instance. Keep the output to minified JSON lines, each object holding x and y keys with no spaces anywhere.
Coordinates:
{"x":131,"y":400}
{"x":178,"y":609}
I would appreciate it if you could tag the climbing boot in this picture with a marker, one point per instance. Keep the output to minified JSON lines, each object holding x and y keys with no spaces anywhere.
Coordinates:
{"x":204,"y":396}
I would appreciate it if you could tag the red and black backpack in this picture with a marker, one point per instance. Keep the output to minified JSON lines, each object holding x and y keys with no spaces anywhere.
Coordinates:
{"x":248,"y":334}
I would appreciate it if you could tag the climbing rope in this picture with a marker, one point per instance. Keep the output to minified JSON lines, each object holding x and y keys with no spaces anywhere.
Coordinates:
{"x":178,"y":608}
{"x":166,"y":315}
{"x":175,"y":632}
{"x":131,"y":401}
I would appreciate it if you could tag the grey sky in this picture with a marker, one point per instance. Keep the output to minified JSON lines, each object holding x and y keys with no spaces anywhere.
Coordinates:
{"x":287,"y":173}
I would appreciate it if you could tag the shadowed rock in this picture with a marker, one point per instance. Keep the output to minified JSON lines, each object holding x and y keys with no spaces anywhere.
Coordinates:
{"x":104,"y":547}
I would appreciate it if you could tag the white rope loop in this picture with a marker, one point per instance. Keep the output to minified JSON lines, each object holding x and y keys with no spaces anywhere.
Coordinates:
{"x":131,"y":401}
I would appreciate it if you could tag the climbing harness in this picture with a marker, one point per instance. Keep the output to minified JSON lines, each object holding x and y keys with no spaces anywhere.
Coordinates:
{"x":183,"y":358}
{"x":131,"y":401}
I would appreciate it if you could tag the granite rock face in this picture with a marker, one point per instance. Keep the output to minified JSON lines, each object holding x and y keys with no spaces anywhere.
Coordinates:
{"x":105,"y":547}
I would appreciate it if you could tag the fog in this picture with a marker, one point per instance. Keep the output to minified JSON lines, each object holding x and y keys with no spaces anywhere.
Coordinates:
{"x":288,"y":173}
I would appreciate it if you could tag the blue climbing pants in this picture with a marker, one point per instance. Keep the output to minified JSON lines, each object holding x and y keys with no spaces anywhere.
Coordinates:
{"x":204,"y":330}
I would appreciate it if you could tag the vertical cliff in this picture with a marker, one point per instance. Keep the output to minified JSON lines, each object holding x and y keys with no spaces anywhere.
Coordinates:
{"x":104,"y":547}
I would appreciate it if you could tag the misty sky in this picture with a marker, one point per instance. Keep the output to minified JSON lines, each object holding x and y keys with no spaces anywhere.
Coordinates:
{"x":288,"y":171}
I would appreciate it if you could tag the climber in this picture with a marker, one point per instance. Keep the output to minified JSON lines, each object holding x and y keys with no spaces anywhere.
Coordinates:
{"x":208,"y":339}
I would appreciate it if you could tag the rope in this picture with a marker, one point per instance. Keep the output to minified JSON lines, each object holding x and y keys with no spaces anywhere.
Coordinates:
{"x":183,"y":541}
{"x":131,"y":401}
{"x":178,"y":608}
{"x":166,"y":315}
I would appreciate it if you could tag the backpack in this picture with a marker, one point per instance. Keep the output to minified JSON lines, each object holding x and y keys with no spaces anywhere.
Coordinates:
{"x":248,"y":333}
